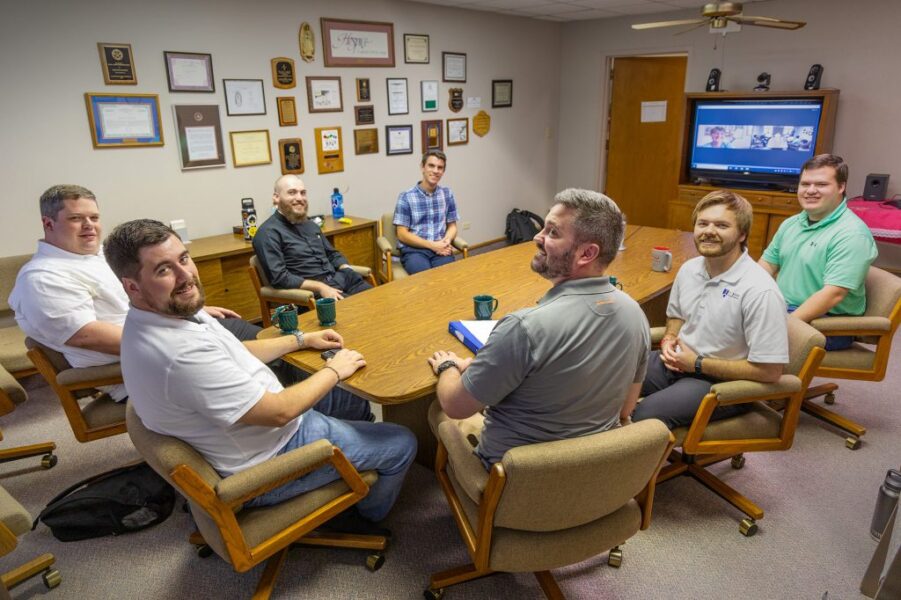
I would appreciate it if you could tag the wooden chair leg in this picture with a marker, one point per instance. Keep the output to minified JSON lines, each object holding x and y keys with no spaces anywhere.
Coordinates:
{"x":549,"y":585}
{"x":833,"y":418}
{"x":344,"y":540}
{"x":28,"y":570}
{"x":727,"y":493}
{"x":270,"y":574}
{"x":456,"y":575}
{"x":45,"y":449}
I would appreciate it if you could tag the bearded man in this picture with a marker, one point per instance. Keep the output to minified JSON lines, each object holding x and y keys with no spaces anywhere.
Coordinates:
{"x":725,"y":319}
{"x":565,"y":367}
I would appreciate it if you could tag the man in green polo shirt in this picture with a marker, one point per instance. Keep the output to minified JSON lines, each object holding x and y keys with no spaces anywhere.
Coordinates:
{"x":820,"y":257}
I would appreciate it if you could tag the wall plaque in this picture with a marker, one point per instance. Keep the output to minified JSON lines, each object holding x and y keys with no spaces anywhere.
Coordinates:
{"x":455,"y":103}
{"x":481,"y":123}
{"x":283,"y":73}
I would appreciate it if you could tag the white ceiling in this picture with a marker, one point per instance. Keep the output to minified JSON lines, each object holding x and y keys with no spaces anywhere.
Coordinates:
{"x":573,"y":10}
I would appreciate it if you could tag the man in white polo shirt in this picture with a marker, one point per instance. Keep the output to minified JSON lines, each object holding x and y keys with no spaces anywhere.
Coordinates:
{"x":726,"y":319}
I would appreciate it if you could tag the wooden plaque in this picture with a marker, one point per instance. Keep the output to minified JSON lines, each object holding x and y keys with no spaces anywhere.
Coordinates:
{"x":481,"y":124}
{"x":329,"y":153}
{"x":366,"y":141}
{"x":283,"y":73}
{"x":290,"y":152}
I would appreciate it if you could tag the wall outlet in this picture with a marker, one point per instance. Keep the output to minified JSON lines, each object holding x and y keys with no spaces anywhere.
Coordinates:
{"x":465,"y":224}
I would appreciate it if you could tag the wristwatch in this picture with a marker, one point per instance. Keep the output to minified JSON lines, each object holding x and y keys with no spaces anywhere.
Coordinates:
{"x":448,"y":364}
{"x":698,"y":364}
{"x":299,"y":335}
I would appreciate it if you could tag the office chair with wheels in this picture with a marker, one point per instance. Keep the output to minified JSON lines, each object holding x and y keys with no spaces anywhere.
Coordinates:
{"x":15,"y":521}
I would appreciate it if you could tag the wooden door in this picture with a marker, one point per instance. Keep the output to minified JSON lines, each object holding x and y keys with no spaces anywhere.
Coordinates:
{"x":644,"y":158}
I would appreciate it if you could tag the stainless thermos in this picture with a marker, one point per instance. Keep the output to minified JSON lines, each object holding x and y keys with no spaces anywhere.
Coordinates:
{"x":885,"y":502}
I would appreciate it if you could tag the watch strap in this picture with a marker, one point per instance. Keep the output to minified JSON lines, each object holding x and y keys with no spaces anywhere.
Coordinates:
{"x":698,"y":361}
{"x":444,"y":366}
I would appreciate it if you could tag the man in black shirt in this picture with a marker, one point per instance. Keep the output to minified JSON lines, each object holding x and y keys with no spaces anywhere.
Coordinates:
{"x":295,"y":254}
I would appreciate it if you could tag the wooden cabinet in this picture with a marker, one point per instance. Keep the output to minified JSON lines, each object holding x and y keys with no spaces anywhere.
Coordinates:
{"x":222,"y":262}
{"x":770,"y":210}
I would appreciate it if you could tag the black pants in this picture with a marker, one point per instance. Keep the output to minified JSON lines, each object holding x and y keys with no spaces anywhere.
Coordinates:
{"x":348,"y":281}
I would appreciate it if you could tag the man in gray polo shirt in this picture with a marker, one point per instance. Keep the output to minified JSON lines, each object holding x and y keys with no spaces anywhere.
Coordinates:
{"x":565,"y":367}
{"x":725,"y":319}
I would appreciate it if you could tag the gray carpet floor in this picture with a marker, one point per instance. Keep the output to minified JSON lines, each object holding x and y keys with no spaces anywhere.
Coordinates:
{"x":813,"y":543}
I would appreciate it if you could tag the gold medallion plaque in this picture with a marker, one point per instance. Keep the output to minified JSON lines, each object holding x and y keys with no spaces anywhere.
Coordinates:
{"x":481,"y":124}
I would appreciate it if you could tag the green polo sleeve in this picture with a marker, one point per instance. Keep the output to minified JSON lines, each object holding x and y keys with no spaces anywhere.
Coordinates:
{"x":848,"y":259}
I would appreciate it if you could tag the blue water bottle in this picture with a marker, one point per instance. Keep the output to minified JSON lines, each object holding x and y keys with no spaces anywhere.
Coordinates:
{"x":337,"y":204}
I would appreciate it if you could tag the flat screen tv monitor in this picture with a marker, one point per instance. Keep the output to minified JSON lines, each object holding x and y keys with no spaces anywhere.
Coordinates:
{"x":753,"y":142}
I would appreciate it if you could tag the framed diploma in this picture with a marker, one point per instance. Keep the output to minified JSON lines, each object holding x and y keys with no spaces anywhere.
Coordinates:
{"x":287,"y":110}
{"x":283,"y":73}
{"x":244,"y":97}
{"x":124,"y":120}
{"x":457,"y":131}
{"x":453,"y":66}
{"x":189,"y":72}
{"x":290,"y":155}
{"x":199,"y":134}
{"x":366,"y":141}
{"x":363,"y":92}
{"x":324,"y":94}
{"x":429,"y":95}
{"x":364,"y":115}
{"x":501,"y":93}
{"x":398,"y":102}
{"x":329,"y":153}
{"x":432,"y":135}
{"x":250,"y":148}
{"x":117,"y":62}
{"x":357,"y":43}
{"x":416,"y":48}
{"x":398,"y":139}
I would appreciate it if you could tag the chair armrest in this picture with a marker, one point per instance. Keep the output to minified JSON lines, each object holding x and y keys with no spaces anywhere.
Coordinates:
{"x":363,"y":271}
{"x":11,"y":392}
{"x":742,"y":391}
{"x":296,"y":296}
{"x":657,"y":335}
{"x":384,"y":245}
{"x":268,"y":475}
{"x":90,"y":377}
{"x":852,"y":325}
{"x":468,"y":469}
{"x":460,"y":244}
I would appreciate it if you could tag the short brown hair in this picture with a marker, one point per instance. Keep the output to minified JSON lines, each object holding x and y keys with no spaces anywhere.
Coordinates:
{"x":53,"y":200}
{"x":122,"y":248}
{"x":835,"y":161}
{"x":598,"y":220}
{"x":437,"y":154}
{"x":744,"y":214}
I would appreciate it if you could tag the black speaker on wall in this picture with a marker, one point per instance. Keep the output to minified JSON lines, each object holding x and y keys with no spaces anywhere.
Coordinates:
{"x":813,"y":77}
{"x":875,"y":187}
{"x":713,"y":80}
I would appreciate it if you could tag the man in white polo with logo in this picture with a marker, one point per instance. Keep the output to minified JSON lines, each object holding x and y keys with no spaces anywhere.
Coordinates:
{"x":726,"y":319}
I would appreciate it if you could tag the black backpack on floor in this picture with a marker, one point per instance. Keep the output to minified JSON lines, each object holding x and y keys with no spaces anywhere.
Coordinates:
{"x":522,"y":226}
{"x":119,"y":501}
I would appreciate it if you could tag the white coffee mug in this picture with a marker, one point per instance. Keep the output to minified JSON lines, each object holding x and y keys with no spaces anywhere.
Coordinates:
{"x":661,"y":259}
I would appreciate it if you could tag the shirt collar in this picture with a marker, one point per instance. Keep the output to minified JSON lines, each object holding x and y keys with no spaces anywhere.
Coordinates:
{"x":576,"y":287}
{"x":48,"y":249}
{"x":830,"y":218}
{"x":733,"y":274}
{"x":147,"y":317}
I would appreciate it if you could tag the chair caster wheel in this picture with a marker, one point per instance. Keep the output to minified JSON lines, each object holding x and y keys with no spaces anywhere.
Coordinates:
{"x":615,"y":558}
{"x":51,"y":578}
{"x":852,"y":443}
{"x":48,"y":461}
{"x":738,"y":461}
{"x":430,"y":594}
{"x":204,"y":551}
{"x":375,"y":561}
{"x":747,"y":527}
{"x":829,"y":399}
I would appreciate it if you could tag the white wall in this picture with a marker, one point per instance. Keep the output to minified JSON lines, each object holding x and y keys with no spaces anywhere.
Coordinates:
{"x":855,"y":41}
{"x":49,"y":59}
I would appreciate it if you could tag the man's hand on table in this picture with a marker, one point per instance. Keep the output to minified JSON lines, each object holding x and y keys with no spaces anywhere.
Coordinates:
{"x":442,"y":356}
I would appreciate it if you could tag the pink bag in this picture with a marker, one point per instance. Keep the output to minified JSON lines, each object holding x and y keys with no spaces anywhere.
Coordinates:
{"x":883,"y":218}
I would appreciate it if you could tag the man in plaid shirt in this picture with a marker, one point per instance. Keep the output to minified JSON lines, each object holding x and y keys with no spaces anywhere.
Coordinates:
{"x":425,"y":219}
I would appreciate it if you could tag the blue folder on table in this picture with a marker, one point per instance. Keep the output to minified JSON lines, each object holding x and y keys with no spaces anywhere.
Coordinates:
{"x":473,"y":334}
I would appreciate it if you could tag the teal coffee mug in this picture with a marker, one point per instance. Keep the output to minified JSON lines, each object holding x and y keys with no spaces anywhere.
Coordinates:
{"x":286,"y":318}
{"x":326,"y":310}
{"x":484,"y":306}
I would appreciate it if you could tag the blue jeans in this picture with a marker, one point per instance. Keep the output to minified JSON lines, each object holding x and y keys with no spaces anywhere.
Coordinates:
{"x":416,"y":260}
{"x":387,"y":448}
{"x":835,"y":342}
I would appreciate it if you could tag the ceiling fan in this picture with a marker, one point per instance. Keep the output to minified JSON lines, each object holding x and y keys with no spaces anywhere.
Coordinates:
{"x":719,"y":14}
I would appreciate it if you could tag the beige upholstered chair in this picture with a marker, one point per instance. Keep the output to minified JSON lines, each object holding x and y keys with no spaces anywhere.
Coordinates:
{"x":245,"y":537}
{"x":547,"y":505}
{"x":876,"y":328}
{"x":92,"y":414}
{"x":271,"y":297}
{"x":15,"y":521}
{"x":14,"y":364}
{"x":389,"y":268}
{"x":762,"y":429}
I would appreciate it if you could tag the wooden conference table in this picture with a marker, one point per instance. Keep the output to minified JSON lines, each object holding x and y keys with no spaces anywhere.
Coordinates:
{"x":397,"y":326}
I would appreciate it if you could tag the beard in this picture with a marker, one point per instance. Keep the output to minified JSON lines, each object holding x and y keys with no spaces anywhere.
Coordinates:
{"x":720,"y":249}
{"x":180,"y":307}
{"x":553,"y":267}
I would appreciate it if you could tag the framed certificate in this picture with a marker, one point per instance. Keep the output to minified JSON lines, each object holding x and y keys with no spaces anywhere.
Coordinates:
{"x":117,"y":62}
{"x":287,"y":110}
{"x":329,"y":153}
{"x":457,"y":131}
{"x":398,"y":102}
{"x":416,"y":48}
{"x":398,"y":139}
{"x":324,"y":94}
{"x":290,"y":155}
{"x":199,"y":134}
{"x":250,"y":148}
{"x":357,"y":43}
{"x":189,"y":72}
{"x":432,"y":135}
{"x":366,"y":141}
{"x":429,"y":95}
{"x":244,"y":97}
{"x":453,"y":66}
{"x":124,"y":120}
{"x":501,"y":93}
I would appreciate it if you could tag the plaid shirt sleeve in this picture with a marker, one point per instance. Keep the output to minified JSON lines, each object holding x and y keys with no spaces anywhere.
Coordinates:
{"x":403,"y":216}
{"x":451,"y":208}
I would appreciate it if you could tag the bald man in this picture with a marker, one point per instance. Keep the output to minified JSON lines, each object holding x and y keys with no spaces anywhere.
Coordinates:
{"x":295,"y":254}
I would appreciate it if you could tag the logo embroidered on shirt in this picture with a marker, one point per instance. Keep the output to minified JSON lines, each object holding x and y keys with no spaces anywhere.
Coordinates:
{"x":727,"y":293}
